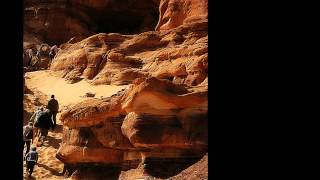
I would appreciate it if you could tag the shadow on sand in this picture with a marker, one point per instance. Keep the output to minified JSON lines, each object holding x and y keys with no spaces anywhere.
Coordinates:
{"x":58,"y":128}
{"x":53,"y":171}
{"x":55,"y":143}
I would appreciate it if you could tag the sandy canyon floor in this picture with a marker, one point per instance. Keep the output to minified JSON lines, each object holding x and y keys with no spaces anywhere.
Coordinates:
{"x":46,"y":83}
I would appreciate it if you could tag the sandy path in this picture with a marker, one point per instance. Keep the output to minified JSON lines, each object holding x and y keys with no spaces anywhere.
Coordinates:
{"x":48,"y":83}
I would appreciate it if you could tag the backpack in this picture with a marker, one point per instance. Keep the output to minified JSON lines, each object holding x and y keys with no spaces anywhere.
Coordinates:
{"x":30,"y":134}
{"x":44,"y":121}
{"x":27,"y":132}
{"x":40,"y":119}
{"x":32,"y":156}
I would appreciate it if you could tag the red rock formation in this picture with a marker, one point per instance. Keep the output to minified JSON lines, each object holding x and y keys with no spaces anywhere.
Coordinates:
{"x":174,"y":13}
{"x":161,"y":118}
{"x":154,"y":118}
{"x":180,"y":55}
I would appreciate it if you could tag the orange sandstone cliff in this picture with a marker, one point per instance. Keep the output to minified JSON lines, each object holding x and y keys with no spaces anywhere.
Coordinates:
{"x":159,"y":123}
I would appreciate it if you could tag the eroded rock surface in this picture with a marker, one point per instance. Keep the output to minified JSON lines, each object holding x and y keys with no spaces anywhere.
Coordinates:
{"x":151,"y":120}
{"x":174,"y":13}
{"x":180,"y":55}
{"x":160,"y":120}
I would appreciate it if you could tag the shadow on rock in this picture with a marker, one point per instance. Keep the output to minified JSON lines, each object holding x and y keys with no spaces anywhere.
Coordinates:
{"x":97,"y":172}
{"x":165,"y":168}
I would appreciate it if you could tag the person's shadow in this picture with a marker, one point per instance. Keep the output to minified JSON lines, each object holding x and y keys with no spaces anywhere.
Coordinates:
{"x":58,"y":128}
{"x":55,"y":143}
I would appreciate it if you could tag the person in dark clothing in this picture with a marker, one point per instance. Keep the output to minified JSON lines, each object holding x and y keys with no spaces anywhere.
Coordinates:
{"x":39,"y":54}
{"x":53,"y":52}
{"x":26,"y":59}
{"x":30,"y":54}
{"x":31,"y":159}
{"x":35,"y":115}
{"x":44,"y":123}
{"x":34,"y":119}
{"x":53,"y":106}
{"x":27,"y":135}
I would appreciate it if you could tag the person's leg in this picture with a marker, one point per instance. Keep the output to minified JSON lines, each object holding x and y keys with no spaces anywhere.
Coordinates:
{"x":31,"y":167}
{"x":28,"y":146}
{"x":29,"y":61}
{"x":28,"y":166}
{"x":34,"y":135}
{"x":23,"y":146}
{"x":42,"y":135}
{"x":54,"y":115}
{"x":51,"y":57}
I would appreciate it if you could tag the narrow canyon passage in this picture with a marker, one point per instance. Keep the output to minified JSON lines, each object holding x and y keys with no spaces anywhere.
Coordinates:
{"x":46,"y":83}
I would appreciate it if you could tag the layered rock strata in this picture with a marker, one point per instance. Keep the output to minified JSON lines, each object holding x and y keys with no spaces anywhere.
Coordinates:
{"x":160,"y":121}
{"x":152,"y":120}
{"x":179,"y":55}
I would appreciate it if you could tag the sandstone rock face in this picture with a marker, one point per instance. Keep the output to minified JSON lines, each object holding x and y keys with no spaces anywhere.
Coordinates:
{"x":55,"y":22}
{"x":174,"y":13}
{"x":180,"y":55}
{"x":52,"y":22}
{"x":151,"y":119}
{"x":161,"y":119}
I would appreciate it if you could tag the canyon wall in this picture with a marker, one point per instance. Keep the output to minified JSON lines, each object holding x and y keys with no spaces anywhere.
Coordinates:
{"x":154,"y":122}
{"x":57,"y":21}
{"x":160,"y":121}
{"x":179,"y":54}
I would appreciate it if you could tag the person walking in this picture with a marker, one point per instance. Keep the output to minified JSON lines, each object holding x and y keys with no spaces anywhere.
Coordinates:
{"x":26,"y":59}
{"x":35,"y":115}
{"x":39,"y":54}
{"x":53,"y":106}
{"x":53,"y":52}
{"x":27,"y":135}
{"x":44,"y":123}
{"x":30,"y":53}
{"x":34,"y":118}
{"x":31,"y":160}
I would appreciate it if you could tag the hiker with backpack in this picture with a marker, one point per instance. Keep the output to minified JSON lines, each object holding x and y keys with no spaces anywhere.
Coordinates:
{"x":30,"y":55}
{"x":31,"y":160}
{"x":52,"y":52}
{"x":39,"y":54}
{"x":34,"y":118}
{"x":44,"y":123}
{"x":26,"y":59}
{"x":35,"y":115}
{"x":27,"y":135}
{"x":53,"y":106}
